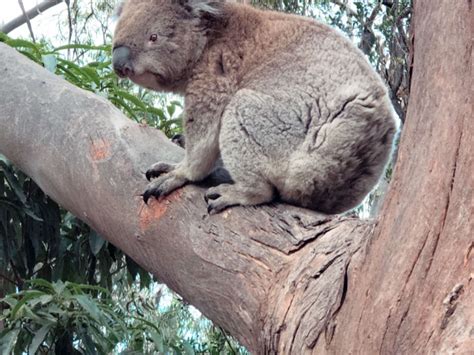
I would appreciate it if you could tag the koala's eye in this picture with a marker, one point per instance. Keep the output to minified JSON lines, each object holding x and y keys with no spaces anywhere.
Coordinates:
{"x":153,"y":37}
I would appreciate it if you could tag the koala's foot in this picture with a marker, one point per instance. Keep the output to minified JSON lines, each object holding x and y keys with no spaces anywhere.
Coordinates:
{"x":222,"y":196}
{"x":159,"y":168}
{"x":166,"y":180}
{"x":164,"y":185}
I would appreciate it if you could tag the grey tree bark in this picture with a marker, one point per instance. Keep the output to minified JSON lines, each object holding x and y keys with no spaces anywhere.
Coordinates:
{"x":280,"y":279}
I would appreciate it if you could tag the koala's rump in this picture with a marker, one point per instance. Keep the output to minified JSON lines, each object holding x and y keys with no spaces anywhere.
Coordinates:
{"x":320,"y":135}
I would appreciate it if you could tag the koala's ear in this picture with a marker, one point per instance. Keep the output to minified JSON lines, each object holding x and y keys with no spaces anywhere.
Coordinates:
{"x":118,"y":10}
{"x":204,"y":9}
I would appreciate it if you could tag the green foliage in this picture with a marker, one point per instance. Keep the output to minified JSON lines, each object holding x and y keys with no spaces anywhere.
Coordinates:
{"x":54,"y":316}
{"x":39,"y":239}
{"x":70,"y":318}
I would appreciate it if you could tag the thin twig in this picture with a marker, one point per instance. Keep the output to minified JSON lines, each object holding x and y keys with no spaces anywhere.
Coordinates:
{"x":19,"y":281}
{"x":343,"y":4}
{"x":8,"y":279}
{"x":27,"y":20}
{"x":228,"y":341}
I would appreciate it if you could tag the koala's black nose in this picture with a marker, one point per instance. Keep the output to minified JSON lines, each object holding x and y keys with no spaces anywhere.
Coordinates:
{"x":121,"y":61}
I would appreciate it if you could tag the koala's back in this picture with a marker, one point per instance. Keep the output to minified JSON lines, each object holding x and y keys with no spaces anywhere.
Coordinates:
{"x":309,"y":114}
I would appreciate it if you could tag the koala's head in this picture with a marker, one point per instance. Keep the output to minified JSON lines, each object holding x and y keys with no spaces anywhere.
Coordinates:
{"x":157,"y":42}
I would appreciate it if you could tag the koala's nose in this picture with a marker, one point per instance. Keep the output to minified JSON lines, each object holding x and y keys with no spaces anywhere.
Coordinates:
{"x":121,"y":61}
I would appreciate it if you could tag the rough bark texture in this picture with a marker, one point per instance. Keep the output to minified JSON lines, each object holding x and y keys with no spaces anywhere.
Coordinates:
{"x":280,"y":278}
{"x":403,"y":298}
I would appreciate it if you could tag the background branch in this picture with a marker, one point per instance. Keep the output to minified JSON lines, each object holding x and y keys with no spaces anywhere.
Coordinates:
{"x":30,"y":29}
{"x":30,"y":14}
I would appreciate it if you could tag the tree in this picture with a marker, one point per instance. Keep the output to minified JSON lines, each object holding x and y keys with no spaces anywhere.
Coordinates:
{"x":280,"y":278}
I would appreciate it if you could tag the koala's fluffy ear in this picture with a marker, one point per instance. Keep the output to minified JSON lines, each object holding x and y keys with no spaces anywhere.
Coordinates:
{"x":204,"y":9}
{"x":118,"y":10}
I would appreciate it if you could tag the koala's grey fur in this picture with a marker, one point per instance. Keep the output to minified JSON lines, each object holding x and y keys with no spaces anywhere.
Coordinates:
{"x":292,"y":107}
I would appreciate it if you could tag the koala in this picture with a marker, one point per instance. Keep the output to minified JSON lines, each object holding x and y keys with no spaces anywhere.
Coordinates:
{"x":293,"y":109}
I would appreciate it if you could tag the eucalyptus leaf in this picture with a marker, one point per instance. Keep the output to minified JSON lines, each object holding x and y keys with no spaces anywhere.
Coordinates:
{"x":38,"y":338}
{"x":13,"y":182}
{"x":8,"y":337}
{"x":43,"y":300}
{"x":96,"y":242}
{"x":88,"y":305}
{"x":22,"y":302}
{"x":171,"y":110}
{"x":50,"y":62}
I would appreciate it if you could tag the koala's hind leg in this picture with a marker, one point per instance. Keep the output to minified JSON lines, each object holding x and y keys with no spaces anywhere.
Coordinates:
{"x":246,"y":133}
{"x":222,"y":196}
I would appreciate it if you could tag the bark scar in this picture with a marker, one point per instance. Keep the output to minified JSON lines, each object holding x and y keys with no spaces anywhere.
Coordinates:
{"x":450,"y":303}
{"x":99,"y":149}
{"x":468,"y":253}
{"x":148,"y":214}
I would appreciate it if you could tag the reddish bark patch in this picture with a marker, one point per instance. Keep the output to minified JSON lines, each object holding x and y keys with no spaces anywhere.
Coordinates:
{"x":99,"y":149}
{"x":155,"y":209}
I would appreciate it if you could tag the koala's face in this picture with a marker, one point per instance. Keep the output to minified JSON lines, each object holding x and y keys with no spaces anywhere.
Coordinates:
{"x":156,"y":42}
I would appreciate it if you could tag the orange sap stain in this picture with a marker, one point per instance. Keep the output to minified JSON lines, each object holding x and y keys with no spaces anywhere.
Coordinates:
{"x":99,"y":149}
{"x":155,"y":210}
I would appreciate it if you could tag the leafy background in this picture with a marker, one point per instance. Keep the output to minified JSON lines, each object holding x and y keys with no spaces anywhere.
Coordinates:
{"x":64,"y":289}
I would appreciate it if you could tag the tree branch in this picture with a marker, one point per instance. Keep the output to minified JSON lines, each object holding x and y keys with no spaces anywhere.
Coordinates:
{"x":30,"y":14}
{"x":343,"y":4}
{"x":368,"y":38}
{"x":260,"y":273}
{"x":20,"y":2}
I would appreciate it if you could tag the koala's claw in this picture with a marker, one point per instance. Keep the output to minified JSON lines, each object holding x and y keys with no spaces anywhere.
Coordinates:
{"x":150,"y":192}
{"x":216,"y":202}
{"x":146,"y":196}
{"x":158,"y":169}
{"x":214,"y":208}
{"x":163,"y":186}
{"x":211,"y":196}
{"x":149,"y":175}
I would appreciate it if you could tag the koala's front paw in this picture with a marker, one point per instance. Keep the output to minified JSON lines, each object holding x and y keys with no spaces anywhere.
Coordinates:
{"x":159,"y":168}
{"x":164,"y":185}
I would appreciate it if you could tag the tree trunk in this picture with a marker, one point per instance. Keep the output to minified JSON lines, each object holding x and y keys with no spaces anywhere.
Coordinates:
{"x":280,"y":278}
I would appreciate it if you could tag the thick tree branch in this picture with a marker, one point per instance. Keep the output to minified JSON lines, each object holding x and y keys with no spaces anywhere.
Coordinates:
{"x":260,"y":273}
{"x":29,"y":15}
